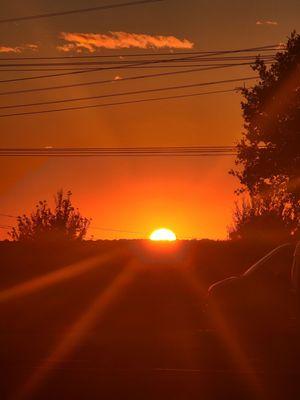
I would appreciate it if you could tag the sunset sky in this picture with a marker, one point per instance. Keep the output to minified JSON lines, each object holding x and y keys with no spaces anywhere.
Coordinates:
{"x":192,"y":196}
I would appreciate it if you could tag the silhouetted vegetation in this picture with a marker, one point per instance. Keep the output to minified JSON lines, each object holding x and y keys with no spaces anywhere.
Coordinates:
{"x":268,"y":160}
{"x":62,"y":223}
{"x":259,"y":220}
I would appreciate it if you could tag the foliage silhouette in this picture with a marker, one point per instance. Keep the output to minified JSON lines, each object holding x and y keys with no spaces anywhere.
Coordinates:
{"x":259,"y":220}
{"x":64,"y":223}
{"x":268,"y":159}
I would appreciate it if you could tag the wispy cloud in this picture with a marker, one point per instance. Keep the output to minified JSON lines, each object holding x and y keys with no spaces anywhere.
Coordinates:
{"x":119,"y":40}
{"x":266,"y":22}
{"x":8,"y":49}
{"x":18,"y":49}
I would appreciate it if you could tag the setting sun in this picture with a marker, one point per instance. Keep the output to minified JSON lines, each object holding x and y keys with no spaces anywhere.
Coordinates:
{"x":163,"y":234}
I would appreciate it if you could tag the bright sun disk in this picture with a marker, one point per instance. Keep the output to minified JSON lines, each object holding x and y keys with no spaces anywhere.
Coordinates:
{"x":163,"y":234}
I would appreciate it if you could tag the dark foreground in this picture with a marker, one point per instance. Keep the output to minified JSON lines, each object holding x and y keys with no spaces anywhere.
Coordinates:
{"x":132,"y":326}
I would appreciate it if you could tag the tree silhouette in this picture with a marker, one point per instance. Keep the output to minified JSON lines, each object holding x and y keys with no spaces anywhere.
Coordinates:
{"x":258,"y":219}
{"x":268,"y":159}
{"x":63,"y":223}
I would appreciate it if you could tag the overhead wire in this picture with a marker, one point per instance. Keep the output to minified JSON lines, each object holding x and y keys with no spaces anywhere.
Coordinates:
{"x":121,"y":67}
{"x":120,"y":151}
{"x":172,"y":53}
{"x":5,"y":226}
{"x":133,"y":62}
{"x":172,"y":66}
{"x":123,"y":79}
{"x":83,"y":71}
{"x":77,"y":11}
{"x":126,"y":93}
{"x":116,"y":103}
{"x":91,"y":227}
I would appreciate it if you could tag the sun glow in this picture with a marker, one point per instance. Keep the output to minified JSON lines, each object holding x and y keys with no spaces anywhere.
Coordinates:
{"x":163,"y":234}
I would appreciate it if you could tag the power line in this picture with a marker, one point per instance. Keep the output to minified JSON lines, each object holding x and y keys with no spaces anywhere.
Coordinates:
{"x":122,"y":67}
{"x":117,"y":103}
{"x":117,"y":150}
{"x":92,"y":227}
{"x":75,"y":68}
{"x":117,"y":230}
{"x":130,"y":78}
{"x":134,"y":148}
{"x":128,"y":93}
{"x":164,"y":151}
{"x":83,"y":71}
{"x":129,"y":63}
{"x":8,"y":227}
{"x":265,"y":48}
{"x":172,"y":66}
{"x":77,"y":11}
{"x":85,"y":155}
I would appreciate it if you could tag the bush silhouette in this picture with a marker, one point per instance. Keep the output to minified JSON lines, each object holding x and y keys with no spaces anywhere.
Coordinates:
{"x":259,"y":221}
{"x":63,"y":223}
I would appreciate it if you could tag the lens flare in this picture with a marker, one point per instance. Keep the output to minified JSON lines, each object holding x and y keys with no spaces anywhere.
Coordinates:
{"x":163,"y":234}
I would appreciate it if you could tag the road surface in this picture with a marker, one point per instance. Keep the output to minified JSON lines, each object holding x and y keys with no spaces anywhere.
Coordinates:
{"x":130,"y":330}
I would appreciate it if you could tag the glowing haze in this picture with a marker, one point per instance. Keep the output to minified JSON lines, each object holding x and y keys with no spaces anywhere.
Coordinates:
{"x":129,"y":197}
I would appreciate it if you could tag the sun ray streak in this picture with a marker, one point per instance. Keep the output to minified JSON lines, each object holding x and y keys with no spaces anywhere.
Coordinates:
{"x":69,"y":272}
{"x":228,"y":336}
{"x":77,"y":331}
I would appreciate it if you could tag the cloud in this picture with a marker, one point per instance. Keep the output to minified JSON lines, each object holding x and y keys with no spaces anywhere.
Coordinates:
{"x":119,"y":40}
{"x":19,"y":49}
{"x":31,"y":46}
{"x":7,"y":49}
{"x":266,"y":22}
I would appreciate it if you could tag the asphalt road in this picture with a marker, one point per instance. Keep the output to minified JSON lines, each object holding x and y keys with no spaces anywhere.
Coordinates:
{"x":127,"y":330}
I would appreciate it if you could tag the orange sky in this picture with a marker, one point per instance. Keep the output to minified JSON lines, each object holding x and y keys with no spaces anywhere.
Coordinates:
{"x":194,"y":197}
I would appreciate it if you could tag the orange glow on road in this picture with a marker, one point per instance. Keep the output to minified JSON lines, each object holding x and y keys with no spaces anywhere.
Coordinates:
{"x":52,"y":278}
{"x":77,"y":332}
